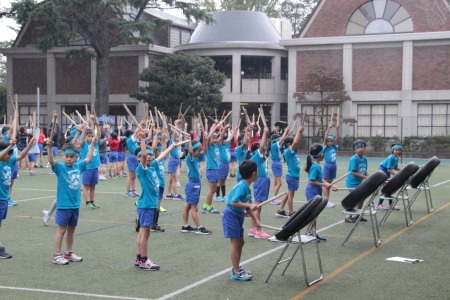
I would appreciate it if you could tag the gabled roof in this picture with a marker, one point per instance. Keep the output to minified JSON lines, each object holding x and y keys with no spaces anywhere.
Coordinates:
{"x":236,"y":26}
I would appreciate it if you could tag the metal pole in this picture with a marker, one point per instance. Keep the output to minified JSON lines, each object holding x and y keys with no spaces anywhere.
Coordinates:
{"x":38,"y":108}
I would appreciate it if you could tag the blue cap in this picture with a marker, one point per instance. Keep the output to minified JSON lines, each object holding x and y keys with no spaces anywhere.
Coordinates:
{"x":149,"y":152}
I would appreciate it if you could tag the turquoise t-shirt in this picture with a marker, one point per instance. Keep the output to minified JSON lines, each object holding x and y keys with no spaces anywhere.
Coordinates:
{"x":315,"y":172}
{"x":260,"y":161}
{"x":175,"y":152}
{"x":148,"y":178}
{"x":391,"y":162}
{"x":131,"y":145}
{"x":359,"y":165}
{"x":95,"y":161}
{"x":161,"y":173}
{"x":212,"y":157}
{"x":224,"y":153}
{"x":5,"y":177}
{"x":69,"y":184}
{"x":293,"y":162}
{"x":330,"y":153}
{"x":275,"y":151}
{"x":241,"y":192}
{"x":193,"y":165}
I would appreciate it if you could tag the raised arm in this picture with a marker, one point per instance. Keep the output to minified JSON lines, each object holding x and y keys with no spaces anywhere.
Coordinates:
{"x":298,"y":137}
{"x":263,"y":140}
{"x":24,"y":152}
{"x":91,"y":150}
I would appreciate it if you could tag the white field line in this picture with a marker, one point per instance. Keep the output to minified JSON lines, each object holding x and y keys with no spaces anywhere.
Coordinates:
{"x":31,"y":199}
{"x":437,"y":184}
{"x":69,"y":293}
{"x":47,"y":190}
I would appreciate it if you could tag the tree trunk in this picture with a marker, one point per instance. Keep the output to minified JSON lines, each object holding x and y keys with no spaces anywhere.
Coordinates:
{"x":102,"y":85}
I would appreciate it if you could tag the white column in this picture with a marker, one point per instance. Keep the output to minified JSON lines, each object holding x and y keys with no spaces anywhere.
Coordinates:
{"x":292,"y":82}
{"x":275,"y":114}
{"x":347,"y":73}
{"x":276,"y":74}
{"x":406,"y":108}
{"x":236,"y":74}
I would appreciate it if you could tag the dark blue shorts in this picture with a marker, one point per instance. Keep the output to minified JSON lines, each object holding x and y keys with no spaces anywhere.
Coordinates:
{"x":147,"y":216}
{"x":212,"y":175}
{"x":223,"y":170}
{"x":312,"y":190}
{"x":277,"y":168}
{"x":90,"y":176}
{"x":113,"y":156}
{"x":160,"y":193}
{"x":132,"y":163}
{"x":67,"y":217}
{"x":103,"y":158}
{"x":261,"y":189}
{"x":329,"y":170}
{"x":173,"y":165}
{"x":192,"y":190}
{"x":41,"y":148}
{"x":3,"y":210}
{"x":385,"y":171}
{"x":292,"y":183}
{"x":55,"y":150}
{"x":232,"y":222}
{"x":121,"y":156}
{"x":32,"y":157}
{"x":233,"y":156}
{"x":14,"y":171}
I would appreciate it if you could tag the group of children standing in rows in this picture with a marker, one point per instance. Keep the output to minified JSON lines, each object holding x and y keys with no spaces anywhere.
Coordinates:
{"x":148,"y":148}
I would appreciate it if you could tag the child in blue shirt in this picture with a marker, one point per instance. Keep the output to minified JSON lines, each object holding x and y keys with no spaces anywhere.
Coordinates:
{"x":277,"y":166}
{"x":262,"y":184}
{"x":315,"y":179}
{"x":131,"y":143}
{"x":330,"y":167}
{"x":172,"y":168}
{"x":389,"y":166}
{"x":193,"y":188}
{"x":68,"y":198}
{"x":240,"y":200}
{"x":212,"y":167}
{"x":224,"y":164}
{"x":242,"y":149}
{"x":358,"y":172}
{"x":7,"y":161}
{"x":293,"y":173}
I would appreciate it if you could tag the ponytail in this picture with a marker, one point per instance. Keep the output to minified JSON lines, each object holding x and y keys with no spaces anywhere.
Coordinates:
{"x":308,"y":163}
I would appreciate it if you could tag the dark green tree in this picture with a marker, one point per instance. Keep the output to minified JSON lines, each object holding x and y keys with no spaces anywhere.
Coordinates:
{"x":98,"y":26}
{"x":181,"y":78}
{"x":297,"y":12}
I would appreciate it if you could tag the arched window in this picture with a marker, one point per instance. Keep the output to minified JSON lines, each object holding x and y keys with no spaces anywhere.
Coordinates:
{"x":379,"y":17}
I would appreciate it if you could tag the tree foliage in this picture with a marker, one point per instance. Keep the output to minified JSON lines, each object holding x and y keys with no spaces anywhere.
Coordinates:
{"x":329,"y":85}
{"x":181,"y":78}
{"x":96,"y":26}
{"x":297,"y":12}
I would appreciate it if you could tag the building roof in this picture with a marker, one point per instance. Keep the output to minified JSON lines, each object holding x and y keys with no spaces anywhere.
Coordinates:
{"x":236,"y":26}
{"x":165,"y":16}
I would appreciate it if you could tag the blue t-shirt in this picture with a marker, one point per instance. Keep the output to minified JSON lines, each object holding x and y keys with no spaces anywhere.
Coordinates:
{"x":5,"y":177}
{"x":260,"y":161}
{"x":175,"y":152}
{"x":212,"y":157}
{"x":241,"y":192}
{"x":148,"y":178}
{"x":330,"y":153}
{"x":95,"y":161}
{"x":315,"y":172}
{"x":69,"y":184}
{"x":161,"y":173}
{"x":224,"y":153}
{"x":240,"y":153}
{"x":275,"y":152}
{"x":391,"y":162}
{"x":360,"y":166}
{"x":131,"y":145}
{"x":193,"y":165}
{"x":293,"y":162}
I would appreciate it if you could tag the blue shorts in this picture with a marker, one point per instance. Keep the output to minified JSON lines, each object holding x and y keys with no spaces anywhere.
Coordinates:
{"x":223,"y":170}
{"x":212,"y":175}
{"x":233,"y":156}
{"x":261,"y":189}
{"x":55,"y":150}
{"x":103,"y":158}
{"x":31,"y":157}
{"x":160,"y":193}
{"x":90,"y":176}
{"x":41,"y":148}
{"x":232,"y":222}
{"x":385,"y":171}
{"x":173,"y":165}
{"x":121,"y":156}
{"x":312,"y":190}
{"x":113,"y":156}
{"x":277,"y":168}
{"x":67,"y":217}
{"x":192,"y":190}
{"x":329,"y":170}
{"x":3,"y":210}
{"x":14,"y":171}
{"x":132,"y":163}
{"x":292,"y":183}
{"x":147,"y":216}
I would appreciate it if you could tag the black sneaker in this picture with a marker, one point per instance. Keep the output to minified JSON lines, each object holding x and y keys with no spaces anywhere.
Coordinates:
{"x":188,"y":228}
{"x":202,"y":230}
{"x":3,"y":253}
{"x":321,"y":238}
{"x":157,"y":228}
{"x":281,"y":213}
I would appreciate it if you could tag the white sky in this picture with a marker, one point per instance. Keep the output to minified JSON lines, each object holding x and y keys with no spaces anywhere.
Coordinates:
{"x":5,"y":32}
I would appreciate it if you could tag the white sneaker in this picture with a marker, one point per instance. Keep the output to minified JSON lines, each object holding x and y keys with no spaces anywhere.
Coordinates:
{"x":70,"y":256}
{"x":60,"y":260}
{"x":46,"y":217}
{"x":330,"y":204}
{"x":178,"y":184}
